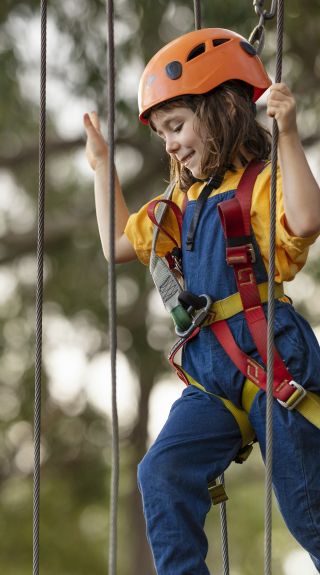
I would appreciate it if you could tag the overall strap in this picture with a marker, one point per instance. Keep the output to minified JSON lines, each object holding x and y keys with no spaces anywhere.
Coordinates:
{"x":236,"y":222}
{"x":213,"y":184}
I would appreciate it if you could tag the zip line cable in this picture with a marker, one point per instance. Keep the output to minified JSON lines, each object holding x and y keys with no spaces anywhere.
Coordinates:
{"x":271,"y":308}
{"x":39,"y":289}
{"x":112,"y":299}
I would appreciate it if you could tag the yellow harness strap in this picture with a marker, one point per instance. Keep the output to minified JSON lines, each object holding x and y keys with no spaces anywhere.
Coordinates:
{"x":231,"y":305}
{"x":240,"y":415}
{"x":309,"y":406}
{"x":223,"y":309}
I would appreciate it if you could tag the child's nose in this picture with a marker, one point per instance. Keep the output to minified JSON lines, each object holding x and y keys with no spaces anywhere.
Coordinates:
{"x":171,"y":144}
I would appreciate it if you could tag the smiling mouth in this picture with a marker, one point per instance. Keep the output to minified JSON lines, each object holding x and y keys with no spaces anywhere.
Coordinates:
{"x":186,"y":159}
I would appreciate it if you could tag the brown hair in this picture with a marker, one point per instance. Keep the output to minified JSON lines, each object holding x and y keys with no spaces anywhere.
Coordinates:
{"x":228,"y":116}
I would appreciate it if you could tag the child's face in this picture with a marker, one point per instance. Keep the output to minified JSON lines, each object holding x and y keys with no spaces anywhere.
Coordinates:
{"x":176,"y":127}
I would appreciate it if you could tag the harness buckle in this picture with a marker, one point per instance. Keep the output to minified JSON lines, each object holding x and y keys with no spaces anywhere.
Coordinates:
{"x":243,"y":254}
{"x":295,"y":397}
{"x":197,"y":319}
{"x":252,"y":253}
{"x":217,"y":492}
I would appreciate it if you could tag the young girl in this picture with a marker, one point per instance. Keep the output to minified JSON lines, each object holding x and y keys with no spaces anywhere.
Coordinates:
{"x":198,"y":94}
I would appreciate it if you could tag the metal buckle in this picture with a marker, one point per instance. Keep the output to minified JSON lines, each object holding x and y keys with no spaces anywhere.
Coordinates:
{"x":252,"y":253}
{"x":240,"y":254}
{"x":197,"y":319}
{"x":295,"y":398}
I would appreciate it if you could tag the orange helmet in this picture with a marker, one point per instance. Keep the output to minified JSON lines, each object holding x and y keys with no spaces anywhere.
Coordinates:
{"x":197,"y":62}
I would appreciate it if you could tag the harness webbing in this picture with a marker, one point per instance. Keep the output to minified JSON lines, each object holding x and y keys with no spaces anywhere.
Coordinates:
{"x":235,"y":219}
{"x":165,"y":281}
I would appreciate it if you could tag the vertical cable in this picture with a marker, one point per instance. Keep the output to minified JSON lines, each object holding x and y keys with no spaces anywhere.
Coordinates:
{"x":39,"y":289}
{"x":114,"y":489}
{"x":197,"y":14}
{"x":224,"y":532}
{"x":223,"y":506}
{"x":271,"y":308}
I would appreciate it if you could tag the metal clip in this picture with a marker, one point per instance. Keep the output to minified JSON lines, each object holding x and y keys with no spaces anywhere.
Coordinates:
{"x":294,"y":399}
{"x":197,"y":320}
{"x":260,"y":11}
{"x":241,"y":254}
{"x":257,"y":36}
{"x":217,"y":492}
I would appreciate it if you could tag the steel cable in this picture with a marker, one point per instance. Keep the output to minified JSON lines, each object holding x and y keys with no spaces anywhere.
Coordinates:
{"x":224,"y":533}
{"x":223,"y":507}
{"x":271,"y":309}
{"x":39,"y":289}
{"x":197,"y":14}
{"x":112,"y":301}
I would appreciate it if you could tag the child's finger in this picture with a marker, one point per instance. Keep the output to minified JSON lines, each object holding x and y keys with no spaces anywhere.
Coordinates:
{"x":280,"y":90}
{"x":95,"y":120}
{"x":89,"y":127}
{"x":280,"y":86}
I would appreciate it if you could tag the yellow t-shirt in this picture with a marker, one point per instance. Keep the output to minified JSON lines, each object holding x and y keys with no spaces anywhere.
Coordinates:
{"x":291,"y":251}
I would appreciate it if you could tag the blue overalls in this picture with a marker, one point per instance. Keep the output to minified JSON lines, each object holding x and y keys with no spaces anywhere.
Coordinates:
{"x":201,"y":437}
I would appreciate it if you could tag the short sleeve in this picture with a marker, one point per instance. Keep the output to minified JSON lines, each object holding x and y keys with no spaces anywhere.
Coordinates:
{"x":291,"y":251}
{"x":139,"y":230}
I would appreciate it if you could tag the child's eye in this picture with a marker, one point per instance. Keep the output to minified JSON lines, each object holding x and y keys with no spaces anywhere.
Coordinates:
{"x":178,"y":128}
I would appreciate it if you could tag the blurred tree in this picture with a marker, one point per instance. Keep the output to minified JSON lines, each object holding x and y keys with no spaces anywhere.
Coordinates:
{"x":76,"y":444}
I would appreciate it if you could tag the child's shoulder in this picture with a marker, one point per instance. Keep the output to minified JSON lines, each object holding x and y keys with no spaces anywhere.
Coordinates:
{"x":230,"y":182}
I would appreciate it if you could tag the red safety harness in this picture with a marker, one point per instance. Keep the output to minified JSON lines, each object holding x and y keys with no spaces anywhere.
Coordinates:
{"x":236,"y":221}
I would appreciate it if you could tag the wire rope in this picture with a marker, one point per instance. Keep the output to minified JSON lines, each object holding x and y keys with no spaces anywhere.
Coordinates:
{"x":197,"y":14}
{"x":224,"y":533}
{"x":112,"y":298}
{"x":39,"y":289}
{"x":271,"y":309}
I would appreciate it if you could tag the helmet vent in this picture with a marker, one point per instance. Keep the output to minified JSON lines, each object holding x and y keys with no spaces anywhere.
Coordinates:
{"x":200,"y":49}
{"x":220,"y":41}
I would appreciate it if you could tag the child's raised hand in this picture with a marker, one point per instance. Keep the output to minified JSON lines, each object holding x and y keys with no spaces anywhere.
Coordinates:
{"x":281,"y":105}
{"x":96,"y":148}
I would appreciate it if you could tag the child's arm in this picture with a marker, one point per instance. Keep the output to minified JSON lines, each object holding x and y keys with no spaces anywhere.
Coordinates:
{"x":301,"y":193}
{"x":98,"y":158}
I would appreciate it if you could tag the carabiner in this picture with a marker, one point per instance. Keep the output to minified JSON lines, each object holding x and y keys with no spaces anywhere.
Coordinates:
{"x":257,"y":38}
{"x":258,"y":7}
{"x":260,"y":11}
{"x":197,"y":319}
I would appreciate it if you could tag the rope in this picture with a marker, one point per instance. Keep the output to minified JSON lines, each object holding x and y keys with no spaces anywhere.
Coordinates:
{"x":271,"y":307}
{"x":197,"y":14}
{"x":39,"y":290}
{"x":114,"y":488}
{"x":224,"y":532}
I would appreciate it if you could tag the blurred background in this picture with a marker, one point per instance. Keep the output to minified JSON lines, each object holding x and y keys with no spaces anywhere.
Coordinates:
{"x":76,"y":380}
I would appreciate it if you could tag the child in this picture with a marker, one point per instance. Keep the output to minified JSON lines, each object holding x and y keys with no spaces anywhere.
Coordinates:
{"x":198,"y":94}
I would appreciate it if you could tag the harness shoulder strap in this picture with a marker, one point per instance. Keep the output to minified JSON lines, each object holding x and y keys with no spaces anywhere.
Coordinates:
{"x":236,"y":222}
